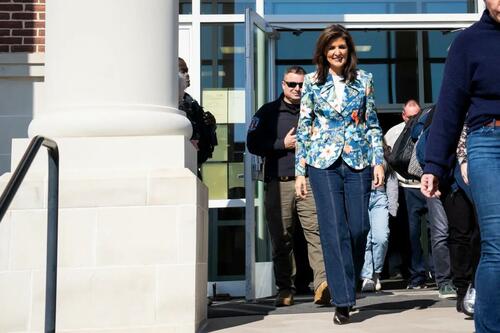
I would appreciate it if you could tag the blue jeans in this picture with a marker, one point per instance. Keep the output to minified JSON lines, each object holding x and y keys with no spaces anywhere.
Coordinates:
{"x":342,"y":195}
{"x":378,"y":236}
{"x":483,"y":149}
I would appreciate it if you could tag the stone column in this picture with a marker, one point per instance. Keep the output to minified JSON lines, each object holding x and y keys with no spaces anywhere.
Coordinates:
{"x":133,"y":216}
{"x":111,"y":69}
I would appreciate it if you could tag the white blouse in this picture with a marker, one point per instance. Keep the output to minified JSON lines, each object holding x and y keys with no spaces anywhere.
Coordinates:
{"x":339,"y":88}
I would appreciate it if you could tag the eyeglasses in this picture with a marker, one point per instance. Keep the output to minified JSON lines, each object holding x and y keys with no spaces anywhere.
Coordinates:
{"x":294,"y":84}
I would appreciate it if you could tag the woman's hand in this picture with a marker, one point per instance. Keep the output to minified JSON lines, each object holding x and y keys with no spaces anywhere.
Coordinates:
{"x":300,"y":187}
{"x":463,"y":171}
{"x":378,"y":175}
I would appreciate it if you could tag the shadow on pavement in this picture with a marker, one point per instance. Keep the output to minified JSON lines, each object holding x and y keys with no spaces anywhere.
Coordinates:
{"x":238,"y":312}
{"x":370,"y":311}
{"x":231,"y":322}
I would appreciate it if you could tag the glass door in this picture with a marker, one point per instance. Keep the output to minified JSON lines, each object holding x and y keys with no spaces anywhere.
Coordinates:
{"x":259,"y":89}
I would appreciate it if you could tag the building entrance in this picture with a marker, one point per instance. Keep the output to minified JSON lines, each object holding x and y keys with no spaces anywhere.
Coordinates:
{"x":406,"y":54}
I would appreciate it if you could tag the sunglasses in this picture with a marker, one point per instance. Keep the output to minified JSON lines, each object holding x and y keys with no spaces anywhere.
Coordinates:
{"x":293,"y":84}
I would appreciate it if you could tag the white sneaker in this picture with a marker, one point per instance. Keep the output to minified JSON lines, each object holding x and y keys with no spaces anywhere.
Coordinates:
{"x":368,"y":285}
{"x":376,"y":280}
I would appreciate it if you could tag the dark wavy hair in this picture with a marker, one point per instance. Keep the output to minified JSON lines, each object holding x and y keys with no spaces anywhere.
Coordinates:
{"x":328,"y":35}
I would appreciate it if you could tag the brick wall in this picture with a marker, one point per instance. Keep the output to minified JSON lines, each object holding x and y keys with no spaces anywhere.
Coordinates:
{"x":22,"y":26}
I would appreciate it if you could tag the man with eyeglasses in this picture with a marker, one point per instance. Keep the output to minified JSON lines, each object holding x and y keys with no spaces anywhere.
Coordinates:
{"x":271,"y":135}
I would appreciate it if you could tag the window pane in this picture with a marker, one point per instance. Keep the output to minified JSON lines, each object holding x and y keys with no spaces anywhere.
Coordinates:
{"x":185,"y":7}
{"x":436,"y":45}
{"x":390,"y":55}
{"x":223,"y":94}
{"x":226,"y":244}
{"x":226,"y":6}
{"x":368,"y":6}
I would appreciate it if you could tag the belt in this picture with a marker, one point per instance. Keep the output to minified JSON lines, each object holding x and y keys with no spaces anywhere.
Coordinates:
{"x":286,"y":178}
{"x":409,"y":181}
{"x":493,"y":123}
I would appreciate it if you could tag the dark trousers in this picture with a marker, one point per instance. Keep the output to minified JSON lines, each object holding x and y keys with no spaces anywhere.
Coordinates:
{"x":439,"y":240}
{"x":416,"y":207}
{"x":342,"y":195}
{"x":464,"y":240}
{"x":399,"y":252}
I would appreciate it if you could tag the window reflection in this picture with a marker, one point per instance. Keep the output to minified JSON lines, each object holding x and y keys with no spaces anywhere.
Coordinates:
{"x":390,"y":55}
{"x":185,"y":7}
{"x":223,"y":94}
{"x":368,"y":6}
{"x":226,"y":6}
{"x":436,"y":46}
{"x":226,"y":260}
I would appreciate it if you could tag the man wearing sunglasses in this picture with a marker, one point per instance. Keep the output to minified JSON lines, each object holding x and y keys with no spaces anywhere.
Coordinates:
{"x":271,"y":135}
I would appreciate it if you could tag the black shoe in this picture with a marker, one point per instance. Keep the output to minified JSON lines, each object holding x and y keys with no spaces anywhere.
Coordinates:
{"x":460,"y":303}
{"x":341,"y":315}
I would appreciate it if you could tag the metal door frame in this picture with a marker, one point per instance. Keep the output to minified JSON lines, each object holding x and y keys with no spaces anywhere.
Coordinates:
{"x":253,"y":20}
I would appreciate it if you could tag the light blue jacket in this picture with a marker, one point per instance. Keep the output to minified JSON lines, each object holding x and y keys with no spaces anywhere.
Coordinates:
{"x":327,"y":131}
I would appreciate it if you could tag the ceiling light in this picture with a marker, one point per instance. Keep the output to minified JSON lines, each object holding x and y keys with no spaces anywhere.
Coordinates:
{"x":363,"y":48}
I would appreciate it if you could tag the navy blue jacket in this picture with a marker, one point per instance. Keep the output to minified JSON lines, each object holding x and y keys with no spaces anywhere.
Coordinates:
{"x":266,"y":136}
{"x":471,"y":86}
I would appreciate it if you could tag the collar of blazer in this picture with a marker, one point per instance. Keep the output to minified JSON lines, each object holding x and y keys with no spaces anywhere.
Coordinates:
{"x":328,"y":94}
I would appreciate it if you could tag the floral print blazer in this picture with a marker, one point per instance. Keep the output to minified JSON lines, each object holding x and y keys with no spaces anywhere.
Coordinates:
{"x":328,"y":130}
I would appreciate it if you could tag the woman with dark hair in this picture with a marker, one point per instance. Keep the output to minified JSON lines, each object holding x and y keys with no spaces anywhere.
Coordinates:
{"x":339,"y":143}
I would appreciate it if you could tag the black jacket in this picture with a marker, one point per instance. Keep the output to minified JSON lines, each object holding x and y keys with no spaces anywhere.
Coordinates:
{"x":266,"y":135}
{"x":204,"y":127}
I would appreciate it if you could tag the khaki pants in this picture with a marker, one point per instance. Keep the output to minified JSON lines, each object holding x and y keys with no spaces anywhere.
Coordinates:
{"x":283,"y":209}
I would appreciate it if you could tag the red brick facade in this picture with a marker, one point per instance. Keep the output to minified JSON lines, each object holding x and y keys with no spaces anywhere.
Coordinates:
{"x":22,"y":26}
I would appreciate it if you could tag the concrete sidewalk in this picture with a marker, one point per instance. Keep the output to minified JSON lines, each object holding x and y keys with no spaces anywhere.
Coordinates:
{"x":387,"y":312}
{"x":431,"y":320}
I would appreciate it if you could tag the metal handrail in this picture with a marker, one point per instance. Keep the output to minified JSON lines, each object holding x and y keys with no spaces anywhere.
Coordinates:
{"x":52,"y":215}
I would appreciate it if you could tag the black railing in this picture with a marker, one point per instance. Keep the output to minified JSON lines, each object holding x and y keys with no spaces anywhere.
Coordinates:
{"x":52,"y":214}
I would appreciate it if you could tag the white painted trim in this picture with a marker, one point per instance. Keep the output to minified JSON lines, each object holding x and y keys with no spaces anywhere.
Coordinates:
{"x":222,"y":18}
{"x":196,"y":51}
{"x":259,"y":7}
{"x":377,"y":21}
{"x":185,"y":18}
{"x":22,"y":71}
{"x":351,"y":21}
{"x":22,"y":58}
{"x":22,"y":65}
{"x":480,"y":6}
{"x":230,"y":203}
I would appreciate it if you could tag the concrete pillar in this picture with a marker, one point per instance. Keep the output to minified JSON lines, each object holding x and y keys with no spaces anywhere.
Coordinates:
{"x":111,"y":70}
{"x":133,"y":216}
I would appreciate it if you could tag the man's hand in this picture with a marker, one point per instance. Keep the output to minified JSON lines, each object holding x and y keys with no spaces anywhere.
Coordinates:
{"x":463,"y":171}
{"x":429,"y":186}
{"x":378,"y":175}
{"x":290,"y":139}
{"x":300,"y":187}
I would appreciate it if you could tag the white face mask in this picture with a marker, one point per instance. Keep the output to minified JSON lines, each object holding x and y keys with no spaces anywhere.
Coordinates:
{"x":182,"y":85}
